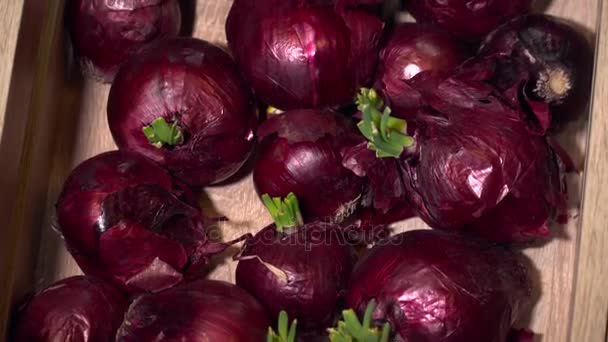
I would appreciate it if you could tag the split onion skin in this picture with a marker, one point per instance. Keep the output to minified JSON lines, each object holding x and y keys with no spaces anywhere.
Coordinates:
{"x":196,"y":85}
{"x":203,"y":310}
{"x":106,"y":33}
{"x":314,"y":263}
{"x":74,"y":309}
{"x":301,"y":152}
{"x":304,"y":54}
{"x":434,"y":286}
{"x":118,"y":200}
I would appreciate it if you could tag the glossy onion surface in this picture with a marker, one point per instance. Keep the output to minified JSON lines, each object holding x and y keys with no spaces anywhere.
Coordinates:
{"x":204,"y":310}
{"x":74,"y":309}
{"x":301,"y":153}
{"x":434,"y":286}
{"x":106,"y":33}
{"x":125,"y":220}
{"x":197,"y":87}
{"x":303,"y":272}
{"x":304,"y":54}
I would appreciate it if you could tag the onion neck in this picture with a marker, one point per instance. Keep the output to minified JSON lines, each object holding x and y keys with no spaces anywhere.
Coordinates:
{"x":387,"y":135}
{"x":351,"y":329}
{"x":160,"y":133}
{"x":286,"y":332}
{"x":285,"y":212}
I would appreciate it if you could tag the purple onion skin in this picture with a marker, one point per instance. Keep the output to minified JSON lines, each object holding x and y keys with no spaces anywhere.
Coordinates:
{"x":503,"y":182}
{"x":469,"y":20}
{"x":300,"y":152}
{"x":74,"y":309}
{"x":124,"y":220}
{"x":197,"y":85}
{"x":204,"y":310}
{"x":541,"y":44}
{"x":434,"y":286}
{"x":304,"y":54}
{"x":105,"y":33}
{"x":413,"y":48}
{"x":317,"y":262}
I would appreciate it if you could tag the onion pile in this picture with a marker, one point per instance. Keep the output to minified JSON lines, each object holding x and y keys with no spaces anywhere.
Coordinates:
{"x":464,"y":141}
{"x":106,"y":33}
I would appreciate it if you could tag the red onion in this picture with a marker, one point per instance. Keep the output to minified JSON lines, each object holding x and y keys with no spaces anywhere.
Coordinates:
{"x":105,"y":33}
{"x":301,"y":153}
{"x":502,"y":182}
{"x":299,"y":268}
{"x":204,"y":310}
{"x":470,"y":20}
{"x":440,"y":287}
{"x":304,"y":54}
{"x":412,"y":48}
{"x":72,"y":310}
{"x":124,"y":220}
{"x":542,"y":58}
{"x":183,"y":103}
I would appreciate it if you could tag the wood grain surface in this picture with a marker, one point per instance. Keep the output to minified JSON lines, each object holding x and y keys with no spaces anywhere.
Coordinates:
{"x":577,"y":256}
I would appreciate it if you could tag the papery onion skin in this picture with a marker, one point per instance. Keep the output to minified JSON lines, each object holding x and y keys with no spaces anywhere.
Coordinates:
{"x":503,"y":181}
{"x":204,"y":310}
{"x":72,"y":310}
{"x":105,"y":33}
{"x":466,"y":19}
{"x":552,"y":60}
{"x":300,"y":152}
{"x":125,"y":220}
{"x":434,"y":286}
{"x":196,"y":85}
{"x":304,"y":54}
{"x":412,"y":48}
{"x":316,"y":260}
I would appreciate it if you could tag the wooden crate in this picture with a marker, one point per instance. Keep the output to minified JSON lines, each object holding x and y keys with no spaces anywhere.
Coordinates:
{"x":51,"y":119}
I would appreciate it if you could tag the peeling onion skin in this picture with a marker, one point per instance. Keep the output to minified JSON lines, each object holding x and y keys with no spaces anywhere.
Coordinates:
{"x":469,"y":20}
{"x":204,"y":310}
{"x":556,"y":59}
{"x":300,"y":152}
{"x":197,"y":85}
{"x":412,"y":48}
{"x":433,"y":286}
{"x":304,"y":54}
{"x":124,"y":220}
{"x":106,"y":32}
{"x":317,"y":261}
{"x":504,"y":182}
{"x":75,"y":309}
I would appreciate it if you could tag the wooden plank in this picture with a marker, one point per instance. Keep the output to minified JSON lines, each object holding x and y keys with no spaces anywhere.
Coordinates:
{"x":590,"y":307}
{"x":10,"y":20}
{"x":25,"y":149}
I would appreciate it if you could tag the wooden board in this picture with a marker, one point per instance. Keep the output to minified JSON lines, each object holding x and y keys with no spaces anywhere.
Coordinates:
{"x":574,"y":260}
